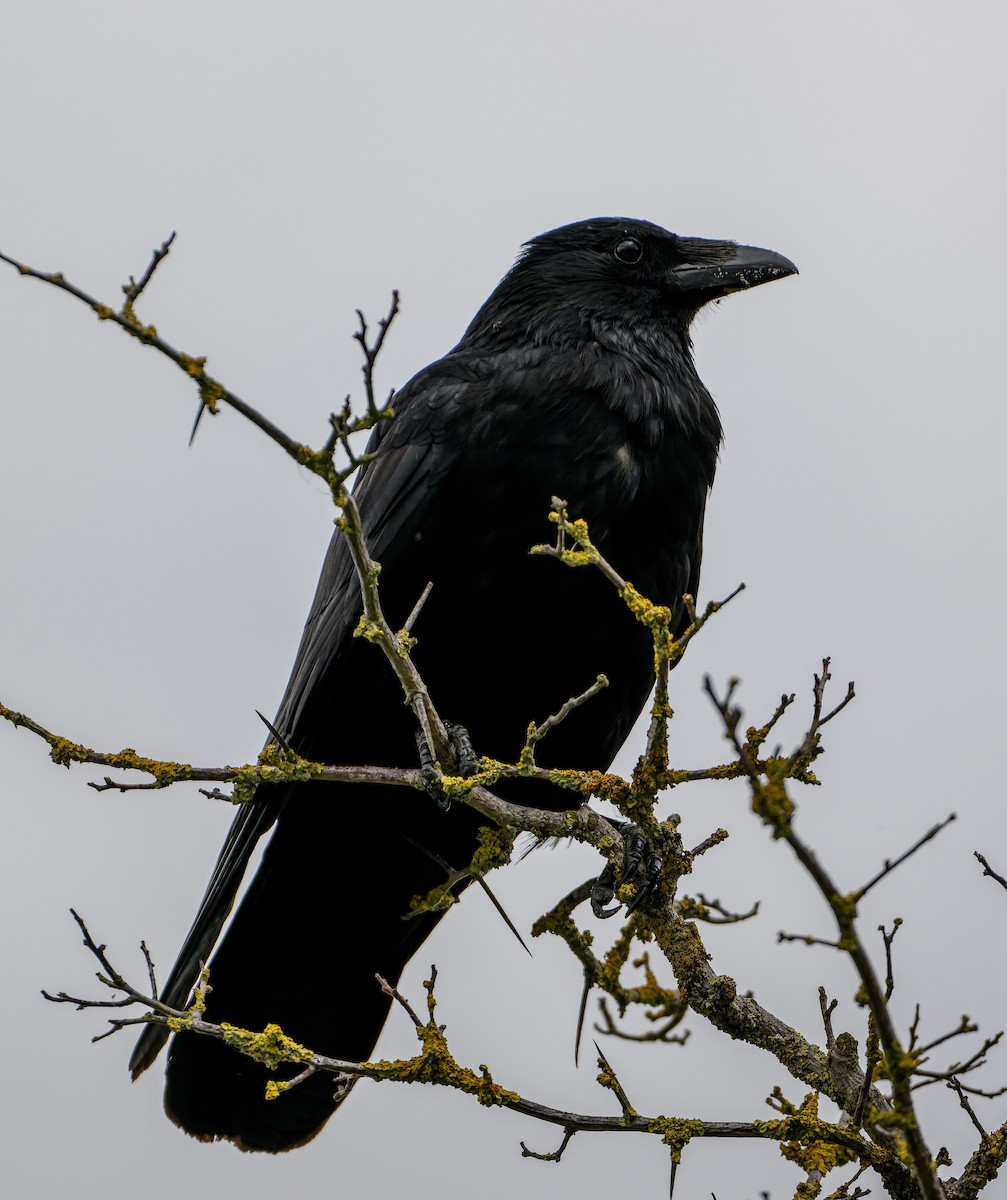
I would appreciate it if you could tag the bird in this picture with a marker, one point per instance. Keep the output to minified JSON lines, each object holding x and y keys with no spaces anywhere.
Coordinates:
{"x":574,"y":379}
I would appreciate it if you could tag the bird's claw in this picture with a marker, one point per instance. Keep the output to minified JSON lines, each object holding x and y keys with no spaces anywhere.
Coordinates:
{"x":461,"y":744}
{"x":465,"y":757}
{"x":640,"y":865}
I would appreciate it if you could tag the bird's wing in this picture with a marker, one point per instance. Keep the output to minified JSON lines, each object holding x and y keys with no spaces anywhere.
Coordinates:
{"x":393,"y":494}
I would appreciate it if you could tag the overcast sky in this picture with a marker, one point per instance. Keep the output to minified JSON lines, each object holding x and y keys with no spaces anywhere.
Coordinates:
{"x":312,"y":156}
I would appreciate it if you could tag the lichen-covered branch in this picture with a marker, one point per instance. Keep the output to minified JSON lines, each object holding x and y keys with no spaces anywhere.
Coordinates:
{"x":434,"y":1063}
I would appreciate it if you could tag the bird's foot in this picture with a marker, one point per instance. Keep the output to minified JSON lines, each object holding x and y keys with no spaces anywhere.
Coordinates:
{"x":640,"y":865}
{"x":465,"y":757}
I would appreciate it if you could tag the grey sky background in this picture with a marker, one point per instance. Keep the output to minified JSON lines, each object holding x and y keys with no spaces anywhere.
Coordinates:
{"x":314,"y":156}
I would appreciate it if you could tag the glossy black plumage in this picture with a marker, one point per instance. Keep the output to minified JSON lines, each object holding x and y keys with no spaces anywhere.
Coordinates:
{"x":574,"y":379}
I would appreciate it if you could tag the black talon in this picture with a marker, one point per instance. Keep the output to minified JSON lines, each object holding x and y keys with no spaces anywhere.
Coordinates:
{"x":602,"y":892}
{"x":465,"y":756}
{"x":640,"y":865}
{"x":461,"y":744}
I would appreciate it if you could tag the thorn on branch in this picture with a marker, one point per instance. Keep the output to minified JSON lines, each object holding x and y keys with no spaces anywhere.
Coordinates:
{"x":581,"y":1014}
{"x":276,"y":735}
{"x":608,"y":1079}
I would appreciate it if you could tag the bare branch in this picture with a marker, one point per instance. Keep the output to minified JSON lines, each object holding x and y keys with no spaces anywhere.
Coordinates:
{"x":395,"y":994}
{"x":988,"y":870}
{"x":553,"y":1155}
{"x":963,"y":1101}
{"x":828,"y":1008}
{"x":418,"y":607}
{"x":890,"y":864}
{"x":537,"y":732}
{"x":888,"y":939}
{"x":724,"y":916}
{"x":133,"y":289}
{"x":663,"y":1033}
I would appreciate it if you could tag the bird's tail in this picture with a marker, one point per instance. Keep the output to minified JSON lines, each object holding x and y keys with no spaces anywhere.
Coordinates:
{"x":324,"y":914}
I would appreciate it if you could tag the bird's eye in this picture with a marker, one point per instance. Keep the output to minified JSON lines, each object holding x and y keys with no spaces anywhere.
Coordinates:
{"x":628,"y":250}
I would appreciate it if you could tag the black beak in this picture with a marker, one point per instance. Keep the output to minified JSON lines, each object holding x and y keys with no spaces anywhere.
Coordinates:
{"x":713,"y":269}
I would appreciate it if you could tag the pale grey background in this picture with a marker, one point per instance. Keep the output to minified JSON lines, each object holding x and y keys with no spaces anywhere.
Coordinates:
{"x":313,"y":156}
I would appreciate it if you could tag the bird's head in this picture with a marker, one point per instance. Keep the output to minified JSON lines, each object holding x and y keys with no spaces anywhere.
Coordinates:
{"x":619,"y":271}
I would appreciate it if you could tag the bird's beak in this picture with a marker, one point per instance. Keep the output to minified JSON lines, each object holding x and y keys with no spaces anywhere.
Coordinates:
{"x":713,"y":269}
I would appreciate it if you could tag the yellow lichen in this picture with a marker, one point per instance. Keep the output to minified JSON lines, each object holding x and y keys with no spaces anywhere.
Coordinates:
{"x":271,"y":1047}
{"x":676,"y":1132}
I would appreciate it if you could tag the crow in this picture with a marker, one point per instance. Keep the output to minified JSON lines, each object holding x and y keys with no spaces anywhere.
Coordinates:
{"x":574,"y":379}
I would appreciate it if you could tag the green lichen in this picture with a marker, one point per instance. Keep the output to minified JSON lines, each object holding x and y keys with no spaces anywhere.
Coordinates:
{"x":271,"y":1047}
{"x":592,"y":783}
{"x":608,"y":1079}
{"x":320,"y":463}
{"x":405,"y":643}
{"x":63,"y":752}
{"x":770,"y":800}
{"x":495,"y":848}
{"x":165,"y":773}
{"x":274,"y":765}
{"x":198,"y":1006}
{"x":438,"y":899}
{"x":586,"y":556}
{"x":655,"y":617}
{"x":457,"y":787}
{"x":436,"y":1064}
{"x":810,"y":1142}
{"x":845,"y":910}
{"x":676,"y":1132}
{"x":369,"y":630}
{"x":211,"y":394}
{"x":194,"y":367}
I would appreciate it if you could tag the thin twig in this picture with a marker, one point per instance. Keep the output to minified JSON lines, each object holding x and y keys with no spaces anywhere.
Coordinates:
{"x":537,"y":732}
{"x":828,"y":1007}
{"x":133,"y":289}
{"x":963,"y":1101}
{"x":888,"y":939}
{"x":891,"y":863}
{"x":395,"y":994}
{"x":418,"y":607}
{"x":988,"y":870}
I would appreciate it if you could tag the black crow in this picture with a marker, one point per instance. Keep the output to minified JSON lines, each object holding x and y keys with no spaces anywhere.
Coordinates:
{"x":574,"y":379}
